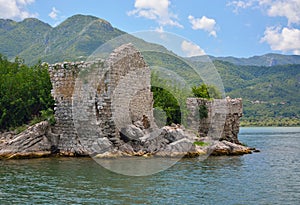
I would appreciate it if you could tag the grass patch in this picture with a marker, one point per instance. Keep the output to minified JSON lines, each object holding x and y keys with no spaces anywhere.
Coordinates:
{"x":200,"y":143}
{"x":19,"y":129}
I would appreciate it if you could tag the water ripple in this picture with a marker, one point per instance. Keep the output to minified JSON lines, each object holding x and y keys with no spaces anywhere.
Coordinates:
{"x":269,"y":177}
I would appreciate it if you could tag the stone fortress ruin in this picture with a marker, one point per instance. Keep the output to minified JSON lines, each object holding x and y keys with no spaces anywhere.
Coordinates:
{"x":115,"y":100}
{"x":104,"y":108}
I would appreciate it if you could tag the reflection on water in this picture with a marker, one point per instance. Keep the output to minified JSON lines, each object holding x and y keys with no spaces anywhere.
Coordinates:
{"x":269,"y":177}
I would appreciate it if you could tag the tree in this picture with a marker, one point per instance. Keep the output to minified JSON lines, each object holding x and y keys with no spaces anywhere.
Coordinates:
{"x":206,"y":91}
{"x":164,"y":100}
{"x":169,"y":98}
{"x":201,"y":91}
{"x":24,"y":92}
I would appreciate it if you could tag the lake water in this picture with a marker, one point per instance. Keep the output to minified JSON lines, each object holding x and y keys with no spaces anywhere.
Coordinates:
{"x":269,"y":177}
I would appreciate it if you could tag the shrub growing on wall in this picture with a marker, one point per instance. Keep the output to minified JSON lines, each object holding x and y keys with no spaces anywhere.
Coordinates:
{"x":207,"y":92}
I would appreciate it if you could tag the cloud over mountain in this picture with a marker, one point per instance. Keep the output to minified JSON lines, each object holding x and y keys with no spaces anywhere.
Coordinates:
{"x":15,"y":9}
{"x":204,"y":23}
{"x":157,"y":10}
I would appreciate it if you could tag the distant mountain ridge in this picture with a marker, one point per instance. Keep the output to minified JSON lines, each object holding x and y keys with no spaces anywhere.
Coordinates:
{"x":33,"y":40}
{"x":270,"y":59}
{"x":17,"y":37}
{"x":78,"y":36}
{"x":269,"y":84}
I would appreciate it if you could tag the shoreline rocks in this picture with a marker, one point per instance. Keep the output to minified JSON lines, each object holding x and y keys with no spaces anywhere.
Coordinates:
{"x":33,"y":142}
{"x":170,"y":141}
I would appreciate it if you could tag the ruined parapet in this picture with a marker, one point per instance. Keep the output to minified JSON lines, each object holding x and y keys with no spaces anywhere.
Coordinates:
{"x":95,"y":100}
{"x":222,"y":119}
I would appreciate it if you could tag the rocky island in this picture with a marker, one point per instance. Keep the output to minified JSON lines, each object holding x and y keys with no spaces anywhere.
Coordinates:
{"x":109,"y":113}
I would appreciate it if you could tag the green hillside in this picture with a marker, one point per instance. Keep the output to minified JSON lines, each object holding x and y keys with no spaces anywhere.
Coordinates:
{"x":270,"y":59}
{"x":74,"y":39}
{"x":268,"y":84}
{"x":16,"y":37}
{"x":270,"y":94}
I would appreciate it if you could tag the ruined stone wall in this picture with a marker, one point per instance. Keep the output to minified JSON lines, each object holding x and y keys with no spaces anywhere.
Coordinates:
{"x":63,"y":81}
{"x":130,"y":85}
{"x":95,"y":100}
{"x":222,"y":121}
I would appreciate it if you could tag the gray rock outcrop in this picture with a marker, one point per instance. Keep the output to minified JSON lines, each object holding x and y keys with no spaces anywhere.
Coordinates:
{"x":174,"y":141}
{"x":33,"y":142}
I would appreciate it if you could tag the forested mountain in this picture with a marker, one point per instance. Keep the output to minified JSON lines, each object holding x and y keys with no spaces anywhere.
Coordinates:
{"x":269,"y":93}
{"x":268,"y":84}
{"x":270,"y":59}
{"x":74,"y":39}
{"x":17,"y":37}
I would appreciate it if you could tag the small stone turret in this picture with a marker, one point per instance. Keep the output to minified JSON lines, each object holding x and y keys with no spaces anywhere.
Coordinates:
{"x":222,"y":121}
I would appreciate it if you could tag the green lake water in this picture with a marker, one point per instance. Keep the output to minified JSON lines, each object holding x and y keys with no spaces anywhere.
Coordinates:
{"x":269,"y":177}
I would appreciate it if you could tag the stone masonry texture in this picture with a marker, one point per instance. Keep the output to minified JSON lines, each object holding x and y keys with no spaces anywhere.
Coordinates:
{"x":95,"y":100}
{"x":222,"y":121}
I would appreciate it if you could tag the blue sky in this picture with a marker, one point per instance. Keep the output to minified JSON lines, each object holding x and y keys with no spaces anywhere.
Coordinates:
{"x":240,"y":28}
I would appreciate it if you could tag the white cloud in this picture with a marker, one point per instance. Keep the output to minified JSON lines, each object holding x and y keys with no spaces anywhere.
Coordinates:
{"x":157,"y":10}
{"x":24,"y":2}
{"x":283,"y":39}
{"x":288,"y":8}
{"x":204,"y":23}
{"x":284,"y":8}
{"x":53,"y":13}
{"x":191,"y":49}
{"x":240,"y":5}
{"x":15,"y":9}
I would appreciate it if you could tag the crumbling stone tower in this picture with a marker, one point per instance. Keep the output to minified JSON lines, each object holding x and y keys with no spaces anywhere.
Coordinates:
{"x":222,"y":121}
{"x":95,"y":100}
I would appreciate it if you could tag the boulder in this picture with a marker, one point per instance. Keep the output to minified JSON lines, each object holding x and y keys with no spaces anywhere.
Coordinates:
{"x":227,"y":148}
{"x":173,"y":133}
{"x":178,"y":148}
{"x":131,"y":132}
{"x":127,"y":148}
{"x":154,"y":141}
{"x":31,"y":143}
{"x":102,"y":145}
